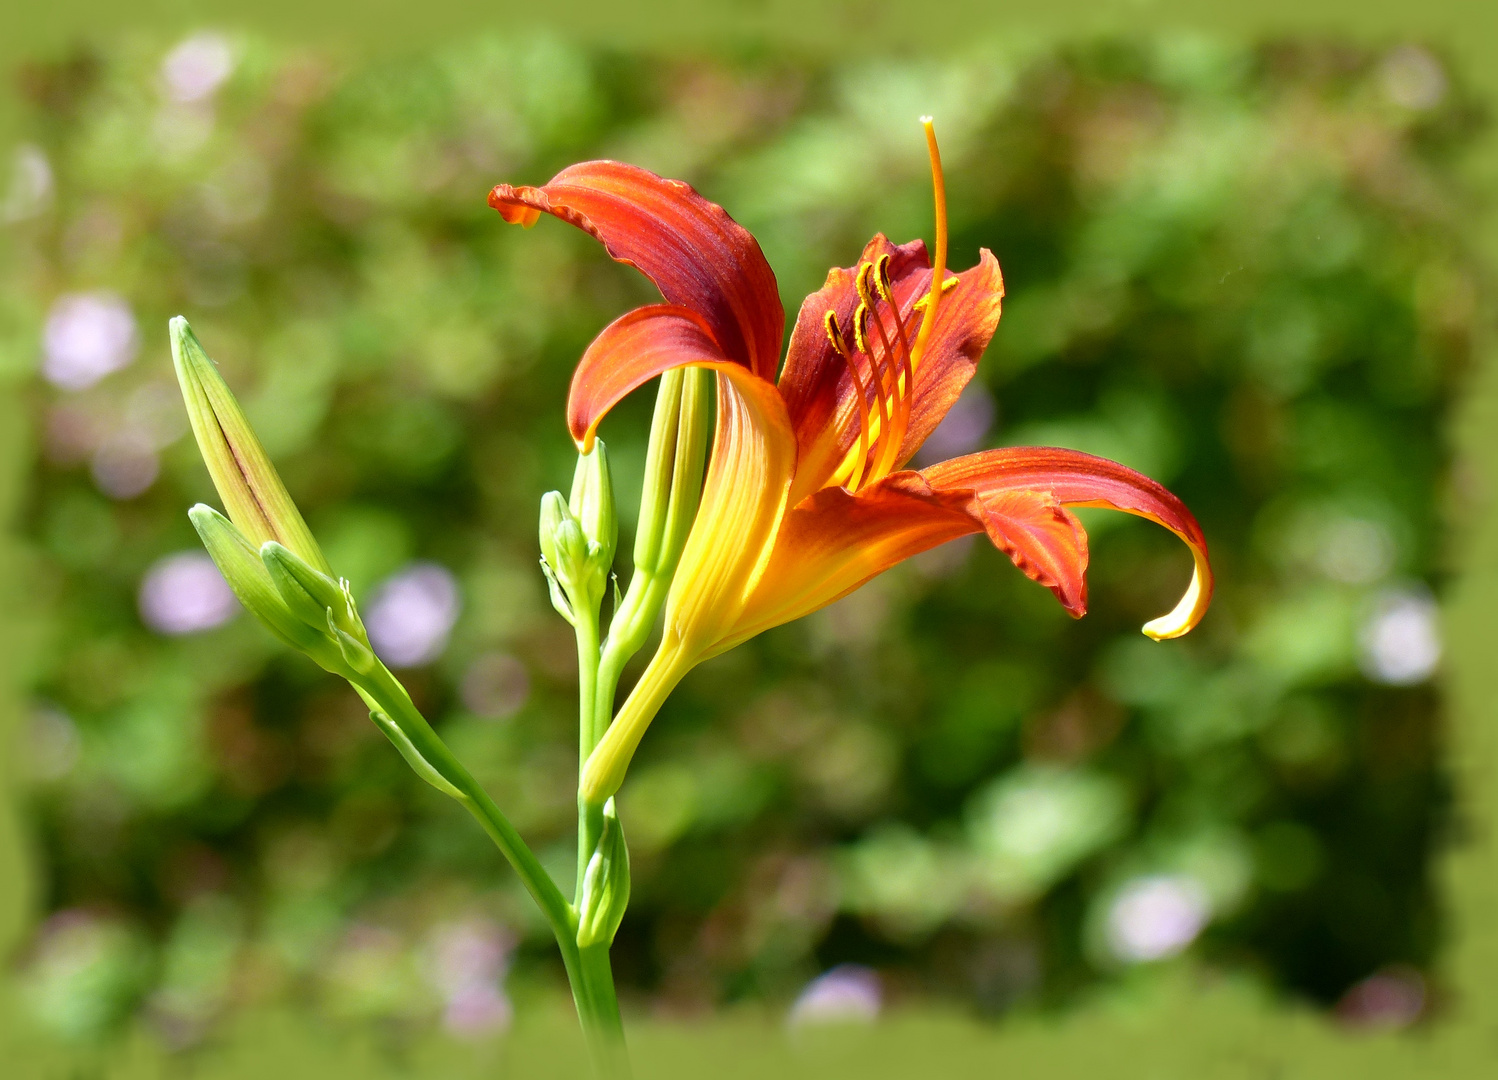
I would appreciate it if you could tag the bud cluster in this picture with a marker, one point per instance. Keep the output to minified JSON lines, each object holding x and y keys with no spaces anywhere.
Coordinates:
{"x":579,"y":536}
{"x":264,"y":549}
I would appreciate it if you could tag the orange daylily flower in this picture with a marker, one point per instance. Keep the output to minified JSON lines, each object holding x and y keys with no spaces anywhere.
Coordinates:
{"x":806,"y":496}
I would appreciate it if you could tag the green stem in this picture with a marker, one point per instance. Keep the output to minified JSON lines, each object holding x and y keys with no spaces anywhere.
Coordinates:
{"x":385,"y":691}
{"x":593,"y":990}
{"x":604,"y":1027}
{"x":588,"y":971}
{"x":589,"y":817}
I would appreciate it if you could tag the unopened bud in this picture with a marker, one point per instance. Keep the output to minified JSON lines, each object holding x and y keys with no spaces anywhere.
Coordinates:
{"x":252,"y":582}
{"x":578,"y":537}
{"x":316,"y":599}
{"x":592,"y":504}
{"x":673,"y":469}
{"x":563,"y":545}
{"x":253,"y":494}
{"x":674,"y":465}
{"x":605,"y":884}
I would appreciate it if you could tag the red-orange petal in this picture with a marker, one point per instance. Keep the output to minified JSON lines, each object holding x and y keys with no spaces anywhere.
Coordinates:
{"x":1077,"y":479}
{"x":1042,"y":539}
{"x":628,"y":353}
{"x":965,"y":323}
{"x":820,"y":397}
{"x":698,"y":256}
{"x":817,"y":388}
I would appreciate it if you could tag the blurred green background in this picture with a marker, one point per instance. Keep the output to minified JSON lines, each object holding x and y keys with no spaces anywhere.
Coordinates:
{"x":1245,"y":266}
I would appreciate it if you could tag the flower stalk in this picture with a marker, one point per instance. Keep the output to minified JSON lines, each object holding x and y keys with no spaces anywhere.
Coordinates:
{"x":277,"y":570}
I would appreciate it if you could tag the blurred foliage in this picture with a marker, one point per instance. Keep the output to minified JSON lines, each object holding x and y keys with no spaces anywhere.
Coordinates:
{"x":1243,"y":271}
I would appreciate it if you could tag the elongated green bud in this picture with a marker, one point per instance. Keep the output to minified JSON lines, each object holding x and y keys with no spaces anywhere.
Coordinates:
{"x":592,"y":504}
{"x":320,"y":603}
{"x":253,"y":494}
{"x":674,"y":465}
{"x":240,"y":564}
{"x":673,"y":469}
{"x":578,"y":537}
{"x":605,"y":884}
{"x":252,"y":582}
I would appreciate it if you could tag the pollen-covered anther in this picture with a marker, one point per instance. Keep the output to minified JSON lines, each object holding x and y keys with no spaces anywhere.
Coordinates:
{"x":946,"y":286}
{"x":835,"y":335}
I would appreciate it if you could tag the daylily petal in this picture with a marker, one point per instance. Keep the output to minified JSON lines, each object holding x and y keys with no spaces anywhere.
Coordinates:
{"x":632,"y":350}
{"x":743,"y":501}
{"x":819,"y":394}
{"x":1078,"y":479}
{"x":818,"y":389}
{"x":1042,"y":539}
{"x":698,"y":256}
{"x":965,"y":323}
{"x":836,"y":540}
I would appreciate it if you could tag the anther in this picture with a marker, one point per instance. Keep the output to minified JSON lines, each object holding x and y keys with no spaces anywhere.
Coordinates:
{"x":903,"y":400}
{"x":881,"y":277}
{"x":835,"y":334}
{"x":946,"y":286}
{"x":860,"y":337}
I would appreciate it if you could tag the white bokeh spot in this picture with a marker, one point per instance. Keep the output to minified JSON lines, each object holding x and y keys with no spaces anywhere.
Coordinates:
{"x":1157,"y":916}
{"x":197,"y":67}
{"x":847,"y":993}
{"x":1401,"y":638}
{"x":412,"y":614}
{"x":185,"y":594}
{"x":87,"y":336}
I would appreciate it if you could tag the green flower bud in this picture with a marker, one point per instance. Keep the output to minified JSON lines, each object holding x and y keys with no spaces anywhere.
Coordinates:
{"x":251,"y":581}
{"x":554,"y":514}
{"x":605,"y":884}
{"x":674,"y":464}
{"x":579,"y":536}
{"x":253,"y":494}
{"x":319,"y":602}
{"x":564,"y":545}
{"x":592,"y":504}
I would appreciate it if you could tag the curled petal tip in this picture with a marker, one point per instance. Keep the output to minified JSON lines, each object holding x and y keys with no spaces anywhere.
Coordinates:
{"x":1186,"y":614}
{"x":512,"y":208}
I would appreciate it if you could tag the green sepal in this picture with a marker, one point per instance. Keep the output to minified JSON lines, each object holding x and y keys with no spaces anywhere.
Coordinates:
{"x":605,"y":894}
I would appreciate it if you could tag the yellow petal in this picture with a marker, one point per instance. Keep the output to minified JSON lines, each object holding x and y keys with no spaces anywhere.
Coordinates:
{"x":753,"y":459}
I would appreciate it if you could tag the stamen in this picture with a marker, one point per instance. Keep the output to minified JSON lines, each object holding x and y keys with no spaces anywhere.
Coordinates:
{"x":904,"y":400}
{"x":865,"y":293}
{"x":946,"y":286}
{"x":860,"y":333}
{"x":861,"y":339}
{"x":835,"y":335}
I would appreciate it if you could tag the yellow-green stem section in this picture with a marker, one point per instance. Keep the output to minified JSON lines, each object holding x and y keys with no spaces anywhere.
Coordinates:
{"x":606,"y":766}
